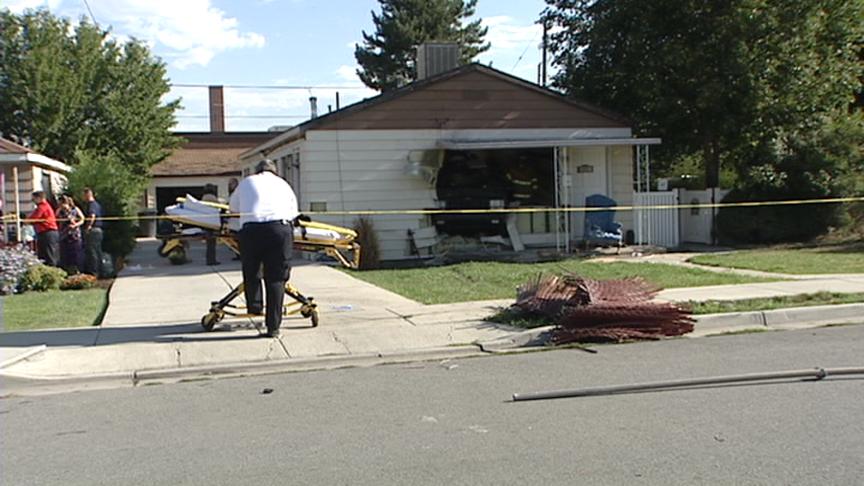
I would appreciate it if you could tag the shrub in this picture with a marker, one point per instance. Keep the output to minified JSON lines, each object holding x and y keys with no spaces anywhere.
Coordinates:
{"x":42,"y":277}
{"x":14,"y":263}
{"x":78,"y":282}
{"x":825,"y":162}
{"x":370,"y":254}
{"x":118,"y":190}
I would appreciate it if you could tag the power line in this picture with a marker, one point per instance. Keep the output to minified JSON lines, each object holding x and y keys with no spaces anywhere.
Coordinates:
{"x":90,"y":11}
{"x":252,"y":86}
{"x":533,"y":40}
{"x":244,"y":116}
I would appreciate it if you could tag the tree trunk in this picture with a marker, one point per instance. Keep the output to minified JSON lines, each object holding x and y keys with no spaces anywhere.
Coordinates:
{"x":711,"y":158}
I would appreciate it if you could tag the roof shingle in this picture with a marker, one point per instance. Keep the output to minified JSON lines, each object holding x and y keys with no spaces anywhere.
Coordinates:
{"x":209,"y":154}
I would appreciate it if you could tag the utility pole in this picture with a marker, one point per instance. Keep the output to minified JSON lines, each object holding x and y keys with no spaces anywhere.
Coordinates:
{"x":545,"y":49}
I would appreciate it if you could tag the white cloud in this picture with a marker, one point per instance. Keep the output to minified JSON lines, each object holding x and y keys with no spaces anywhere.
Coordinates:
{"x":293,"y":104}
{"x":505,"y":34}
{"x":193,"y":31}
{"x":185,"y":32}
{"x":347,"y":73}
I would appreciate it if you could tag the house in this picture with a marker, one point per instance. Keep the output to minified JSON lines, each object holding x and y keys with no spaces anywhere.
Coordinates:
{"x":202,"y":158}
{"x":22,"y":172}
{"x":471,"y":137}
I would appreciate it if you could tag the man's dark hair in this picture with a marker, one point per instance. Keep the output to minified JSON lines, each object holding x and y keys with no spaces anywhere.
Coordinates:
{"x":39,"y":194}
{"x":87,"y":189}
{"x":265,"y":165}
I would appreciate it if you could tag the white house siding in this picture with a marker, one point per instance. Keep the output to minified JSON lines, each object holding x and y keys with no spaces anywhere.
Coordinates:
{"x":27,"y":183}
{"x":365,"y":170}
{"x":372,"y":166}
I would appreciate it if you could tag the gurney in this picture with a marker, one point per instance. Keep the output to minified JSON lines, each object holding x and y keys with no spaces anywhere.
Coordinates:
{"x":192,"y":219}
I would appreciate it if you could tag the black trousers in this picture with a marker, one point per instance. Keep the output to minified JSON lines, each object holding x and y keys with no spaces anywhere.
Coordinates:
{"x":48,"y":247}
{"x":211,"y":248}
{"x":266,"y":246}
{"x":93,"y":251}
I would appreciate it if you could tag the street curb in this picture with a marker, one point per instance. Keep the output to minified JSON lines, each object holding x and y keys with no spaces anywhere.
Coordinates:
{"x":778,"y":319}
{"x":168,"y":375}
{"x":713,"y":324}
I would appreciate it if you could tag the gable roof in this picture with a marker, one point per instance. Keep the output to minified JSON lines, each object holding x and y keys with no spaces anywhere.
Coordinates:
{"x":208,"y":154}
{"x":9,"y":147}
{"x":14,"y":153}
{"x":470,"y":96}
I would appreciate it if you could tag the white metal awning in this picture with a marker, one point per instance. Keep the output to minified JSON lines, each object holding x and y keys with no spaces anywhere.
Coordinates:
{"x":543,"y":142}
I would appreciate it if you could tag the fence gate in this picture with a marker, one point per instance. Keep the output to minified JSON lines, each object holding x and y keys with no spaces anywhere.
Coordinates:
{"x":658,"y":227}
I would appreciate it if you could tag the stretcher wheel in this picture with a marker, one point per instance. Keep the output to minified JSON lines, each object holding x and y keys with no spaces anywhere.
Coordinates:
{"x":310,"y":312}
{"x":210,"y":320}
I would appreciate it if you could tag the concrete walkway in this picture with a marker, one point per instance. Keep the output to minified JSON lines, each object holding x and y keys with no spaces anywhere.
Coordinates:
{"x":153,"y":320}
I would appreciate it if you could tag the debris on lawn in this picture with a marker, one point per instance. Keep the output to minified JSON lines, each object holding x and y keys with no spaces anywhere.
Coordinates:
{"x":588,"y":310}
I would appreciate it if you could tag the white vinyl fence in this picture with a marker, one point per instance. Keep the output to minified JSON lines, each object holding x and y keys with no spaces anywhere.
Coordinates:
{"x":658,"y":227}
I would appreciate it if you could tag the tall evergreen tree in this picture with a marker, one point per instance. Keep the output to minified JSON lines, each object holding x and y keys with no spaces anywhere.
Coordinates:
{"x":388,"y":55}
{"x":66,"y":90}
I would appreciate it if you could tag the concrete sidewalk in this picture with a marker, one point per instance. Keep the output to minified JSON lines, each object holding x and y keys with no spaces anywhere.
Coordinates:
{"x":153,"y":321}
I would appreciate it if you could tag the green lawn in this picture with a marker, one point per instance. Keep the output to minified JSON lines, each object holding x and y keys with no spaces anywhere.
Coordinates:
{"x":769,"y":303}
{"x":55,"y":308}
{"x":493,"y":280}
{"x":827,"y":259}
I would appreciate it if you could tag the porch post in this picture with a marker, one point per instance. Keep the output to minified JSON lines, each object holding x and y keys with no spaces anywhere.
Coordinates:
{"x":557,"y":170}
{"x":17,"y":203}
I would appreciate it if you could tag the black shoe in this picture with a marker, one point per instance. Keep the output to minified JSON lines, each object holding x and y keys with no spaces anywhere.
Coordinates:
{"x":214,"y":263}
{"x":275,"y":333}
{"x":255,"y":312}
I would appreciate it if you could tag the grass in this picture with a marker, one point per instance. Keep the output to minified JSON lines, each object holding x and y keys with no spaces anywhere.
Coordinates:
{"x":769,"y":303}
{"x":54,"y":308}
{"x":519,"y":319}
{"x":495,"y":280}
{"x":799,"y":261}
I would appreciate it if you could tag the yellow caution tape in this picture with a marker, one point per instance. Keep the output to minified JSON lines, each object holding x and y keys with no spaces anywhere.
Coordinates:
{"x":581,"y":209}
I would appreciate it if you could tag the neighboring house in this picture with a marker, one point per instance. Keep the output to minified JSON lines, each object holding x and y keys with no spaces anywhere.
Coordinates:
{"x":471,"y":137}
{"x":203,"y":158}
{"x":26,"y":171}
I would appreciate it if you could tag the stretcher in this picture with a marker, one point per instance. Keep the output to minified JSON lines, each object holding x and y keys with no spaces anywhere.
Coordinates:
{"x":192,"y":219}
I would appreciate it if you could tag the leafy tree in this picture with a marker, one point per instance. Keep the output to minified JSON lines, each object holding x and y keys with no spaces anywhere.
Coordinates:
{"x":733,"y":81}
{"x":387,"y":56}
{"x":65,"y":90}
{"x":118,"y":189}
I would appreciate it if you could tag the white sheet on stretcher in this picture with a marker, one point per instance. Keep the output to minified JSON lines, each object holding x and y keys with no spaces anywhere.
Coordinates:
{"x":192,"y":211}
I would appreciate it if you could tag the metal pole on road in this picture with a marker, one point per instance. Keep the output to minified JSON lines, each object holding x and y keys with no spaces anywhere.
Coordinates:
{"x":815,"y":373}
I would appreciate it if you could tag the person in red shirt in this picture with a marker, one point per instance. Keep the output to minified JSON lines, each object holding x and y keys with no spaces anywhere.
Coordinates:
{"x":45,"y":225}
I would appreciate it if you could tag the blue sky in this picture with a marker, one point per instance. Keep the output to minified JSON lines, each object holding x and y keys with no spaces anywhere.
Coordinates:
{"x":278,"y":42}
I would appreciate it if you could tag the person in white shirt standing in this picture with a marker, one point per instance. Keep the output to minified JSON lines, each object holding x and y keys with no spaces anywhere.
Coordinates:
{"x":267,"y":206}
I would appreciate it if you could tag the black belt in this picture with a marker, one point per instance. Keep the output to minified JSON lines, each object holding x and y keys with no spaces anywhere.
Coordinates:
{"x":282,"y":222}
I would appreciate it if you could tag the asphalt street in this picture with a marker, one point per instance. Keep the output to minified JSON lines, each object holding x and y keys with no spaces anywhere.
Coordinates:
{"x":452,"y":422}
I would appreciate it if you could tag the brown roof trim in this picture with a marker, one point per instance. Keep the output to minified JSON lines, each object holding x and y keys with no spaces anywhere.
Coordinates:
{"x":10,"y":147}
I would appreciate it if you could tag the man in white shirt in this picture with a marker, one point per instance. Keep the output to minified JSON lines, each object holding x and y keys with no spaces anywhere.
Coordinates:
{"x":267,"y":207}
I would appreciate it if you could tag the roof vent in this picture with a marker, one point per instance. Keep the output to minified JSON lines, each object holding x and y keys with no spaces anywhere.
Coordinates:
{"x":435,"y":58}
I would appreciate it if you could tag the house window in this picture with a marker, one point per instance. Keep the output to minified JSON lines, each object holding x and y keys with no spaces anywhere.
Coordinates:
{"x":287,"y":163}
{"x":318,"y":206}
